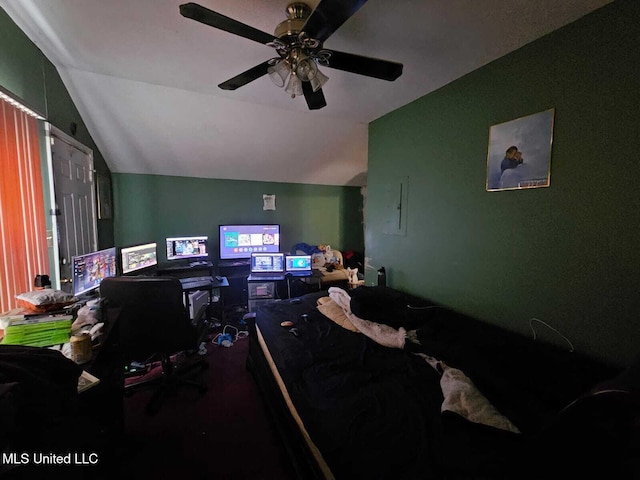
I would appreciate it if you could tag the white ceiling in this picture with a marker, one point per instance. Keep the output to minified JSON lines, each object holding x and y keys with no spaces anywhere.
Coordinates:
{"x":145,"y":79}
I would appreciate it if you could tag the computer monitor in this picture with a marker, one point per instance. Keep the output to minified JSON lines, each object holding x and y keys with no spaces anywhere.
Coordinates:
{"x":267,"y":263}
{"x":298,"y":263}
{"x":187,"y":247}
{"x":240,"y":241}
{"x":136,"y":258}
{"x":90,"y":269}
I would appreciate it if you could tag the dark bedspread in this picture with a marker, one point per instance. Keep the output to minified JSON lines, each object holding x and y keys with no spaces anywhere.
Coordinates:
{"x":374,"y":412}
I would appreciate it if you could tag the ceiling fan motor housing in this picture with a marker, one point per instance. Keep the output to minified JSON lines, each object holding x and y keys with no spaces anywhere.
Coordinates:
{"x":297,"y":14}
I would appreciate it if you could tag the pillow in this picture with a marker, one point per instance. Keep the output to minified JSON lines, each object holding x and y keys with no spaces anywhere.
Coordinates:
{"x":335,"y":312}
{"x":45,"y":300}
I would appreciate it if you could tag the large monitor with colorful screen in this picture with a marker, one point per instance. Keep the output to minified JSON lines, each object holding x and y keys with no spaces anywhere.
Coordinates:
{"x":240,"y":241}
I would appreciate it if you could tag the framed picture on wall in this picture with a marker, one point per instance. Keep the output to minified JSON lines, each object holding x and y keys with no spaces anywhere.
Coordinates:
{"x":520,"y":153}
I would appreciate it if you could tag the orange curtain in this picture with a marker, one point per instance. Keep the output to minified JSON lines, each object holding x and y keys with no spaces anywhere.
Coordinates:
{"x":23,"y":236}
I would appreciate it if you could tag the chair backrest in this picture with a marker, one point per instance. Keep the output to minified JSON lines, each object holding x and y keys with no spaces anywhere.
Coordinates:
{"x":152,"y":319}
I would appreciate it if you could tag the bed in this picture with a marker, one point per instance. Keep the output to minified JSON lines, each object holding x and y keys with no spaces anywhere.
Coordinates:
{"x":419,"y":391}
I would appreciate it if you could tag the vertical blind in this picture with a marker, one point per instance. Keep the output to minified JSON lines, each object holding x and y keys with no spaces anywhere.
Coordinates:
{"x":23,"y":237}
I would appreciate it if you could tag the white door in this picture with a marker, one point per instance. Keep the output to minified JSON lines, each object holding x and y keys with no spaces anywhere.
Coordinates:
{"x":75,"y":203}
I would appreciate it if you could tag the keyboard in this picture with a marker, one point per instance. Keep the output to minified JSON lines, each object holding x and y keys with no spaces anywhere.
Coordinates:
{"x":199,"y":264}
{"x":195,"y":282}
{"x":206,"y":278}
{"x":300,"y":274}
{"x":265,"y":278}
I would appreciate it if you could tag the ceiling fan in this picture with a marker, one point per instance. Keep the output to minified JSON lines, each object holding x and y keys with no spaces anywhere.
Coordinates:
{"x":298,"y":42}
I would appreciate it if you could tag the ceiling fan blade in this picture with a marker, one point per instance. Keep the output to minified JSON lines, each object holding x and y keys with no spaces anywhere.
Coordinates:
{"x":245,"y":77}
{"x":214,"y":19}
{"x":328,"y":16}
{"x":315,"y":100}
{"x":371,"y":67}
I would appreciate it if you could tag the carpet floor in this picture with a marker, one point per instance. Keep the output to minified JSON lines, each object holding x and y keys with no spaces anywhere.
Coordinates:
{"x":222,"y":434}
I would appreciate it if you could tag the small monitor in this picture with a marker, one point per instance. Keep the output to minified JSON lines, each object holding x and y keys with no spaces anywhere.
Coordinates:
{"x":138,"y":257}
{"x":90,"y":269}
{"x":298,"y":263}
{"x":267,"y":262}
{"x":187,"y":247}
{"x":240,"y":241}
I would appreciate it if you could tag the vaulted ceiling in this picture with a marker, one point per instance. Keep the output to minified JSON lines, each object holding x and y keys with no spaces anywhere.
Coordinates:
{"x":145,"y":78}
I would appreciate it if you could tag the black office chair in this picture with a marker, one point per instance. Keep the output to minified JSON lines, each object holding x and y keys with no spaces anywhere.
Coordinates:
{"x":154,"y":325}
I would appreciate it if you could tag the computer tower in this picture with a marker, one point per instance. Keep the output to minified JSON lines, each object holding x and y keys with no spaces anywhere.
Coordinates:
{"x":236,"y":293}
{"x":198,"y":302}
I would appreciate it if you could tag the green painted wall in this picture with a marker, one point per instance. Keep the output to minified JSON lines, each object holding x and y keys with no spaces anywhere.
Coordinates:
{"x":153,"y":207}
{"x":29,"y":75}
{"x":568,"y":254}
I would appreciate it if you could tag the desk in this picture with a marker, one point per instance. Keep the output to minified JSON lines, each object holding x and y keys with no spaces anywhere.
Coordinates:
{"x":196,"y":276}
{"x":182,"y":270}
{"x":208,"y":285}
{"x":300,"y":278}
{"x":310,"y":283}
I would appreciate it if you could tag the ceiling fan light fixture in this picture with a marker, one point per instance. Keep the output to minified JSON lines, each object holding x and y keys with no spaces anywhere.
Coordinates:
{"x":306,"y":69}
{"x":278,"y":72}
{"x":294,"y":86}
{"x":318,"y":81}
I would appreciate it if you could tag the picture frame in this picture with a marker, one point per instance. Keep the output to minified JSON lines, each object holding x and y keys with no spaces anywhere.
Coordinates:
{"x":519,"y":153}
{"x":103,"y":186}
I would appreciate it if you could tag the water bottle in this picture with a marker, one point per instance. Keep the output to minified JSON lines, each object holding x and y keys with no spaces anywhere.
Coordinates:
{"x":382,"y":277}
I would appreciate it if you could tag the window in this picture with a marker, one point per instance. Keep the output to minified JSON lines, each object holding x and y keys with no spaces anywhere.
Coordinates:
{"x":23,"y":238}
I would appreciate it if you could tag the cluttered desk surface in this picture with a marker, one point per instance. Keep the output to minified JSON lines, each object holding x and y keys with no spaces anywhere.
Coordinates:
{"x":56,"y":320}
{"x":52,"y":403}
{"x":77,"y":331}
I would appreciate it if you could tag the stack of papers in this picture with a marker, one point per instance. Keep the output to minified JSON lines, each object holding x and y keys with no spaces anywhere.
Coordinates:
{"x":36,"y":330}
